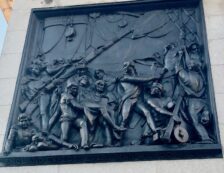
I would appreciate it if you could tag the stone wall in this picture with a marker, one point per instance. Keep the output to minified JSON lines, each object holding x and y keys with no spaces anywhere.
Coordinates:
{"x":9,"y":66}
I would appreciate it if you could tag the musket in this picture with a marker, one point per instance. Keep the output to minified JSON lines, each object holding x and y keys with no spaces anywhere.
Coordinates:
{"x":23,"y":106}
{"x":64,"y":73}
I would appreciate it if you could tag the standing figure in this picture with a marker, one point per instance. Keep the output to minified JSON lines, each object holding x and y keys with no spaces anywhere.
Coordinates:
{"x":171,"y":58}
{"x":110,"y":89}
{"x":156,"y":100}
{"x":96,"y":108}
{"x":131,"y":98}
{"x":84,"y":87}
{"x":159,"y":104}
{"x":35,"y":85}
{"x":97,"y":113}
{"x":192,"y":82}
{"x":194,"y":53}
{"x":71,"y":110}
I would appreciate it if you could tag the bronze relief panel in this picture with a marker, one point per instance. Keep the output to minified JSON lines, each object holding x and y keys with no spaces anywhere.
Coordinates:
{"x":114,"y":82}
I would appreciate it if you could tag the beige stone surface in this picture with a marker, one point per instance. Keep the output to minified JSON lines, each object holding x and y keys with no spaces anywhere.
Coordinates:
{"x":216,"y":48}
{"x":191,"y":166}
{"x":4,"y":118}
{"x":219,"y":98}
{"x":214,"y":7}
{"x":7,"y":87}
{"x":127,"y":167}
{"x":31,"y":169}
{"x":24,"y":4}
{"x":14,"y":42}
{"x":214,"y":11}
{"x":72,"y":2}
{"x":9,"y":65}
{"x":221,"y":131}
{"x":217,"y":74}
{"x":215,"y":25}
{"x":15,"y":24}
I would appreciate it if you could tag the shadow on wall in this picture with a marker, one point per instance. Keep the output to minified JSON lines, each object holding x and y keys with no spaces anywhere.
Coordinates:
{"x":48,"y":1}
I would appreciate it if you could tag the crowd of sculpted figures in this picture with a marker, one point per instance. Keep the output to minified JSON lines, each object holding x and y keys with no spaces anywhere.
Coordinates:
{"x":96,"y":108}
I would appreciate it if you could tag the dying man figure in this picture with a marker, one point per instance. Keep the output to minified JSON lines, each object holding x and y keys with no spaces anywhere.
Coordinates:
{"x":97,"y":110}
{"x":20,"y":135}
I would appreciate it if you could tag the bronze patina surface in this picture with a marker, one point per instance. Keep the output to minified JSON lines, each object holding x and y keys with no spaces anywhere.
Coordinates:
{"x":114,"y":82}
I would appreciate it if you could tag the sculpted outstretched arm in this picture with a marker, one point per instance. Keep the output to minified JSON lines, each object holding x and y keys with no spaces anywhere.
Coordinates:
{"x":159,"y":109}
{"x":135,"y":79}
{"x":77,"y":105}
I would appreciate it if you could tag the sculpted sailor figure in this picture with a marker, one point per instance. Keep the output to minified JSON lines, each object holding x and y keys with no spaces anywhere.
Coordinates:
{"x":131,"y":98}
{"x":171,"y":57}
{"x":110,"y":89}
{"x":35,"y":86}
{"x":47,"y":142}
{"x":97,"y":104}
{"x":194,"y":53}
{"x":26,"y":137}
{"x":191,"y":80}
{"x":158,"y":104}
{"x":156,"y":100}
{"x":84,"y":87}
{"x":99,"y":113}
{"x":20,"y":135}
{"x":71,"y":114}
{"x":99,"y":74}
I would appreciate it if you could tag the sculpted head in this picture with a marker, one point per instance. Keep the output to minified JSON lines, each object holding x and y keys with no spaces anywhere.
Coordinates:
{"x":82,"y":71}
{"x":194,"y":48}
{"x":36,"y":67}
{"x":84,"y":81}
{"x":58,"y":61}
{"x":72,"y":88}
{"x":170,"y":46}
{"x":205,"y":117}
{"x":100,"y":85}
{"x":193,"y":64}
{"x":37,"y":138}
{"x":156,"y":89}
{"x":129,"y":68}
{"x":24,"y":120}
{"x":99,"y":74}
